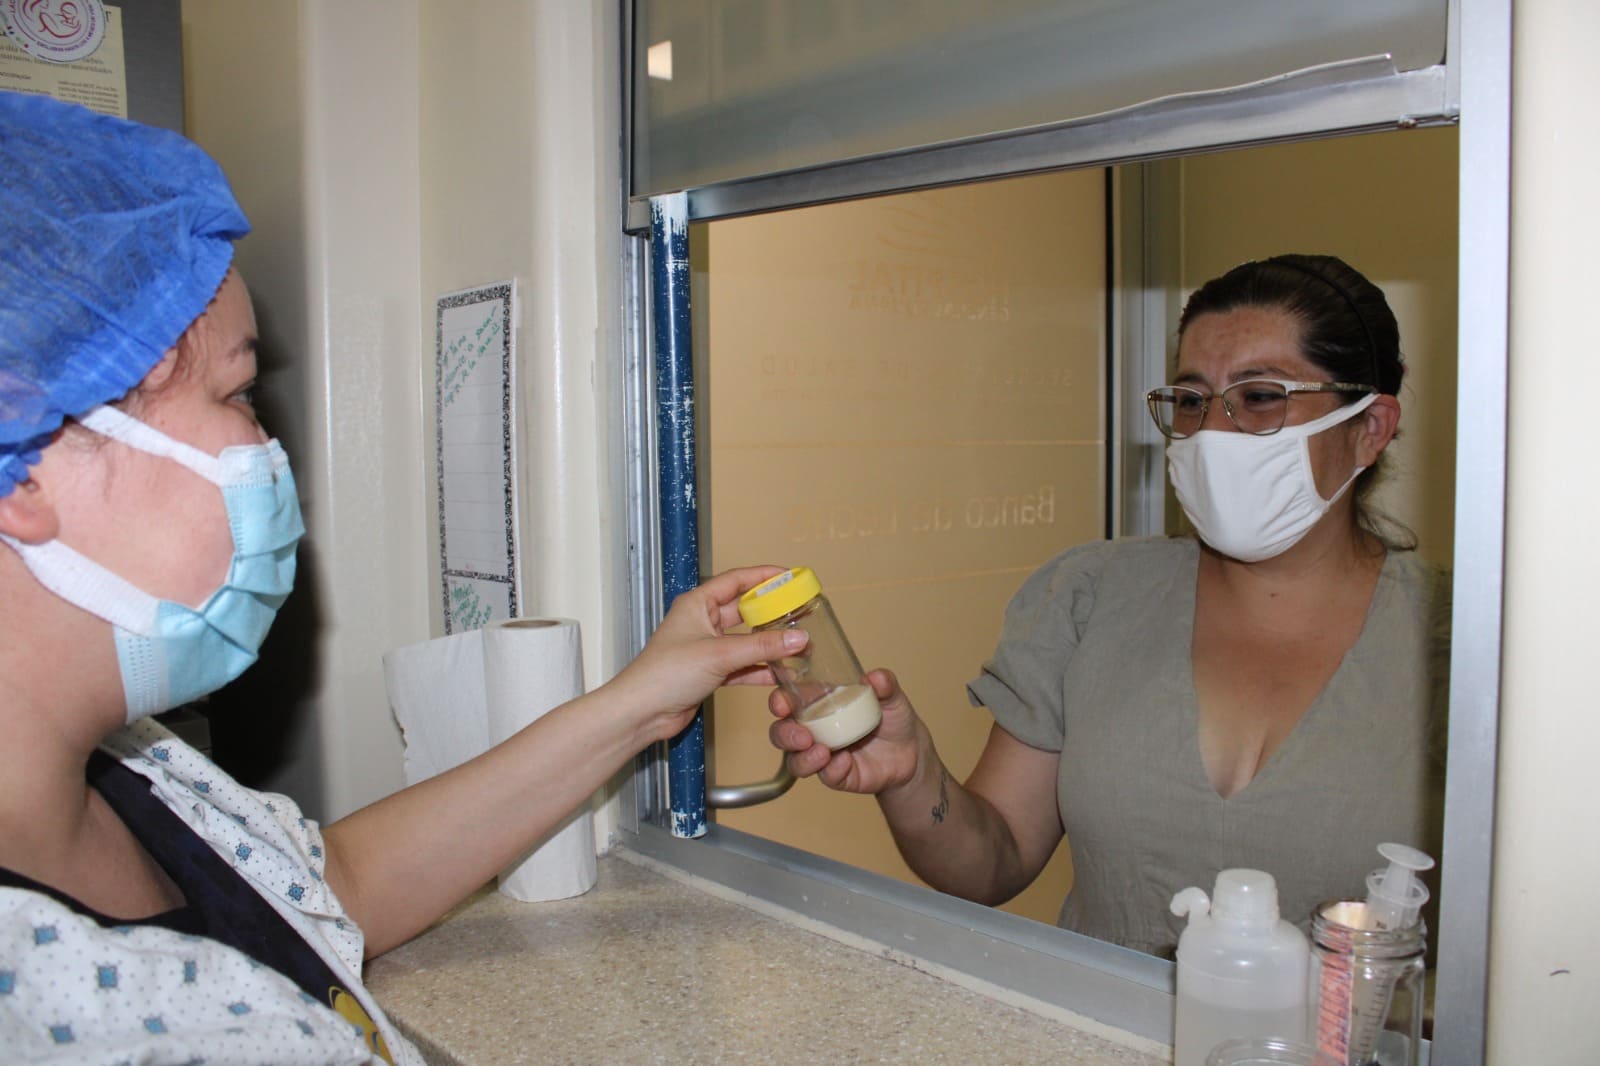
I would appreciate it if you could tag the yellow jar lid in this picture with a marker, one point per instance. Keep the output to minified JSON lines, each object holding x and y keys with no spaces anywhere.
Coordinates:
{"x":777,"y":596}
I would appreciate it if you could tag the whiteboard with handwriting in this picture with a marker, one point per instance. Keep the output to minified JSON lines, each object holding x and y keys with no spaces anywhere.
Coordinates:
{"x":476,"y":455}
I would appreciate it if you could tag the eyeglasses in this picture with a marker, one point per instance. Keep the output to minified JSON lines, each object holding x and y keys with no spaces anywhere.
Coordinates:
{"x":1257,"y":406}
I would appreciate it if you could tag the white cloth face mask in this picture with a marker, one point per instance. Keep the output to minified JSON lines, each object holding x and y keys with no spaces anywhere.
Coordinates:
{"x":1253,"y":498}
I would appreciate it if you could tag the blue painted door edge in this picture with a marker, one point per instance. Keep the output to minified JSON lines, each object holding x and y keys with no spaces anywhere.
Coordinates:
{"x":680,"y":546}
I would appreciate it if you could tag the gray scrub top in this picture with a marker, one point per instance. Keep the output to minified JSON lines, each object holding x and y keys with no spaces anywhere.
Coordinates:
{"x":1094,"y":663}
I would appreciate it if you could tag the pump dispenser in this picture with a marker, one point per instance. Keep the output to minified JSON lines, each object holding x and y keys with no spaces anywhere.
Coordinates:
{"x":1241,"y":968}
{"x":1394,"y":895}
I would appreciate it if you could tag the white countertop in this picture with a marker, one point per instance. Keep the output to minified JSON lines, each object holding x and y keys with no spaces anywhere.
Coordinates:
{"x":644,"y":968}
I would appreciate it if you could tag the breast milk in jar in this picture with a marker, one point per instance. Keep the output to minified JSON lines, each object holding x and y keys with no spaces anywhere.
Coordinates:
{"x":824,"y":681}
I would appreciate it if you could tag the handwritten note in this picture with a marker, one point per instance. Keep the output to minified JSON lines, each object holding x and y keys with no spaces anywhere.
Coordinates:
{"x":476,"y":457}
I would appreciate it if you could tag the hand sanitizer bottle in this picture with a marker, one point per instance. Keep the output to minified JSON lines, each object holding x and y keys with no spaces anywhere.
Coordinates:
{"x":1241,"y":968}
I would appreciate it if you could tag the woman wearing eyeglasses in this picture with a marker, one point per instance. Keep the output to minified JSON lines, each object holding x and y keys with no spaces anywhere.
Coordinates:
{"x":1268,"y":693}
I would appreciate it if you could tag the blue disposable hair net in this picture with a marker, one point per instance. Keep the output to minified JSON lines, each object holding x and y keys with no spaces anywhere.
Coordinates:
{"x":114,"y":237}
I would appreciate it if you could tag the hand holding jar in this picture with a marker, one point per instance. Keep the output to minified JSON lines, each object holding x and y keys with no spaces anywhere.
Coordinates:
{"x":827,"y":687}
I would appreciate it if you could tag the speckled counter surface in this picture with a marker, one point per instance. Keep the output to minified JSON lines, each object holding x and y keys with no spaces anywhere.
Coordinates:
{"x":645,"y":969}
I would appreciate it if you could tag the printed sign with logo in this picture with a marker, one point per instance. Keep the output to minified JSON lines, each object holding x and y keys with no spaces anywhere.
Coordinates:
{"x":68,"y":49}
{"x":56,"y":31}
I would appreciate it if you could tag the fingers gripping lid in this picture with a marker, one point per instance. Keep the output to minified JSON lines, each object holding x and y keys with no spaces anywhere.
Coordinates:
{"x":116,"y":236}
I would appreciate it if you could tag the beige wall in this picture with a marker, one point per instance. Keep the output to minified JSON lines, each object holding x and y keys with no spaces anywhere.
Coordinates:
{"x":1545,"y":942}
{"x":904,"y":394}
{"x":1386,"y":204}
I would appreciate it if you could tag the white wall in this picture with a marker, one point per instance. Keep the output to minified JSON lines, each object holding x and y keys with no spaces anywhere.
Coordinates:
{"x":520,"y":161}
{"x":1545,"y":938}
{"x":312,"y":111}
{"x":387,"y":153}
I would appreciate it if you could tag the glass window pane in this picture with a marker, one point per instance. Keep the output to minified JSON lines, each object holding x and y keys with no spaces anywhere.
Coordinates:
{"x":737,"y":88}
{"x":906,"y":394}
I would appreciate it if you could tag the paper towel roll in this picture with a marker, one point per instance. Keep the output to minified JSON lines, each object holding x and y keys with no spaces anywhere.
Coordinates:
{"x":456,"y":696}
{"x":530,"y":666}
{"x":436,"y":693}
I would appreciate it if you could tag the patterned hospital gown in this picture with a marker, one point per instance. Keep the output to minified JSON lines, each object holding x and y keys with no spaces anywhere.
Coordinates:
{"x":72,"y":991}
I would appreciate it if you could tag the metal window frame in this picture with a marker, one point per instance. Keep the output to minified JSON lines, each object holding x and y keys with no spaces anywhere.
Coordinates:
{"x":1353,"y":96}
{"x":1145,"y":212}
{"x":1055,"y":968}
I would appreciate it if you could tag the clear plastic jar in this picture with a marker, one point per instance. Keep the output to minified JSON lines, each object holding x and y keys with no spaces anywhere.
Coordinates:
{"x":831,"y":696}
{"x":1241,"y":968}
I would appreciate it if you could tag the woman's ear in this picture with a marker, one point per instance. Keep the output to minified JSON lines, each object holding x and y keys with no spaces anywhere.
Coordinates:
{"x":27,"y":514}
{"x":163,"y":371}
{"x":1377,"y":424}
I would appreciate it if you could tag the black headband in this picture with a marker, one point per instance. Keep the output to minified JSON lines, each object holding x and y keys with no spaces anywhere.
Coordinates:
{"x":1355,"y":309}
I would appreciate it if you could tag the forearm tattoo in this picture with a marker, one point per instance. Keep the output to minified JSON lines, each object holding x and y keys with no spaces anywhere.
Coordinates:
{"x":943,"y":806}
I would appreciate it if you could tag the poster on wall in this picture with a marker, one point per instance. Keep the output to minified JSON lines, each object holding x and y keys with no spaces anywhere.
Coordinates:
{"x":475,"y":454}
{"x":71,"y":51}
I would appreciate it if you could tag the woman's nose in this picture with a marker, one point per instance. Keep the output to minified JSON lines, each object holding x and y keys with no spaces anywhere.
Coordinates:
{"x":1216,"y":415}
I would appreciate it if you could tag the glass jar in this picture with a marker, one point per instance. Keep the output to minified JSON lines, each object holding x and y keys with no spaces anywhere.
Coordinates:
{"x":825,"y":682}
{"x":1261,"y":1051}
{"x":1366,"y":988}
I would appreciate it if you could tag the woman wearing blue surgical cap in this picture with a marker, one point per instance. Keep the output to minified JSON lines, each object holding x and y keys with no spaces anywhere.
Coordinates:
{"x":151,"y":908}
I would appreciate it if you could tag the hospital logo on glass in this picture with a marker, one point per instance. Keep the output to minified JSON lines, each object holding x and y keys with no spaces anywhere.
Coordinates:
{"x":56,"y":31}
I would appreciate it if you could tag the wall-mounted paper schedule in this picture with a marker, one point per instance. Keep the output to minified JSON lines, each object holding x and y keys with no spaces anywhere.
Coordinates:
{"x":476,"y":455}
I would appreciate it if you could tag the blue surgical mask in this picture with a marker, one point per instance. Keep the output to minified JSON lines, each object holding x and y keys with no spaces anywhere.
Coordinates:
{"x":170,"y":654}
